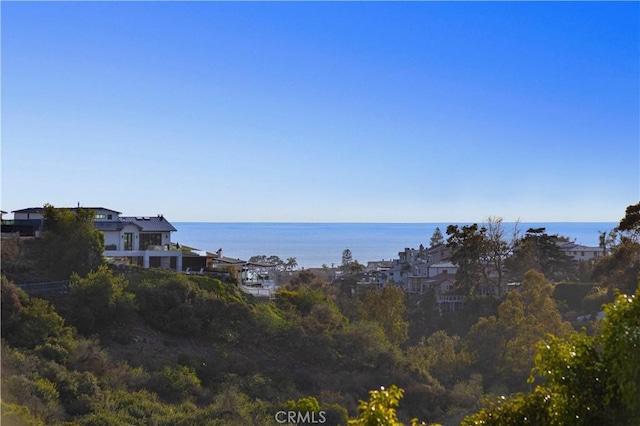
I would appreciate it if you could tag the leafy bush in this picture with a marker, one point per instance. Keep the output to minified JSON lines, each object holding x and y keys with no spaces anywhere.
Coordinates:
{"x":100,"y":299}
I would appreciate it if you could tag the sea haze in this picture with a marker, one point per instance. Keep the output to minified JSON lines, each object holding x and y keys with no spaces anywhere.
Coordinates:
{"x":317,"y":244}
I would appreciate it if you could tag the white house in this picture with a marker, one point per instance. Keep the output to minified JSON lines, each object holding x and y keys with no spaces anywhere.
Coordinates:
{"x":445,"y":267}
{"x":143,"y":240}
{"x":579,"y":252}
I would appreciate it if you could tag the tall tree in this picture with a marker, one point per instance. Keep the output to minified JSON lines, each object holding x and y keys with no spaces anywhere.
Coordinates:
{"x":620,"y":268}
{"x":503,"y":346}
{"x":467,"y":245}
{"x":347,"y":259}
{"x":291,"y":264}
{"x":436,"y":238}
{"x":587,"y":380}
{"x":70,"y":241}
{"x":387,"y":308}
{"x":539,"y":251}
{"x":631,"y":220}
{"x":495,"y":252}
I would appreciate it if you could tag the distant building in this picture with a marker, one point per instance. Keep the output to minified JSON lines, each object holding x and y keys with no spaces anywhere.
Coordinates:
{"x":579,"y":252}
{"x":140,"y":240}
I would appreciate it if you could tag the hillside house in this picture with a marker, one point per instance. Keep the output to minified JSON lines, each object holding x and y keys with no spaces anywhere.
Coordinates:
{"x":579,"y":252}
{"x":141,"y":240}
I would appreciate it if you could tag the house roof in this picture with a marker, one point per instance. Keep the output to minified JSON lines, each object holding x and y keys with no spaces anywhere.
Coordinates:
{"x":29,"y":210}
{"x":566,"y":246}
{"x":443,"y":265}
{"x":228,"y":261}
{"x":41,"y":209}
{"x":150,"y":223}
{"x":440,"y":278}
{"x":109,"y":226}
{"x":112,"y":226}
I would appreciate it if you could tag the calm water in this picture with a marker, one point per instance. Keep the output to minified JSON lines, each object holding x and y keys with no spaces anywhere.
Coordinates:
{"x":315,"y":244}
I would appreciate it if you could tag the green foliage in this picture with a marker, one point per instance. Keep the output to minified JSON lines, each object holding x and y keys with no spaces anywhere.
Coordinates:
{"x":347,"y":259}
{"x":436,"y":238}
{"x":592,"y":303}
{"x":34,"y":323}
{"x":538,"y":251}
{"x":13,"y":299}
{"x":362,"y":345}
{"x":621,"y":348}
{"x":267,"y":317}
{"x":572,"y":294}
{"x":176,"y":304}
{"x":99,"y":299}
{"x":423,"y":315}
{"x":439,"y":359}
{"x":177,"y":383}
{"x":620,"y":269}
{"x":631,"y":220}
{"x":300,"y":301}
{"x":18,"y":415}
{"x":70,"y":242}
{"x":504,"y":346}
{"x":386,"y":307}
{"x":380,"y":410}
{"x":466,"y":246}
{"x":587,"y":380}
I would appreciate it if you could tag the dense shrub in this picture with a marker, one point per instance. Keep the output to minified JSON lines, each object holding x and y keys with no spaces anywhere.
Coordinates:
{"x":99,"y":299}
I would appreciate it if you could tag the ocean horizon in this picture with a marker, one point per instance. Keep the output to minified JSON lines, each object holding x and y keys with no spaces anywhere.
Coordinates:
{"x":315,"y":244}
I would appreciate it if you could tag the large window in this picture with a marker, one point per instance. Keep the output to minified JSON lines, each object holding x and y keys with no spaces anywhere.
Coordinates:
{"x":147,"y":240}
{"x":128,"y":240}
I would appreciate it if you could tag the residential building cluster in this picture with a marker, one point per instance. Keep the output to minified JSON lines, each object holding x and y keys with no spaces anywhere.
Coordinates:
{"x":420,"y":270}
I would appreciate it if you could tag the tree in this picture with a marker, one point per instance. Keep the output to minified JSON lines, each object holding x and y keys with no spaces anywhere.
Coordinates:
{"x":380,"y":410}
{"x":481,"y":253}
{"x":619,"y":268}
{"x":347,"y":259}
{"x":71,"y":243}
{"x":504,"y":346}
{"x":494,"y":253}
{"x":631,"y":220}
{"x":436,"y":238}
{"x":386,"y":307}
{"x":467,"y":245}
{"x":291,"y":264}
{"x":586,"y":380}
{"x":540,"y":251}
{"x":99,"y":299}
{"x":356,"y":267}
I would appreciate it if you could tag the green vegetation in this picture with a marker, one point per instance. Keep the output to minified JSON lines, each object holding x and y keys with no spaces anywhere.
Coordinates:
{"x":144,"y":347}
{"x":70,"y":242}
{"x":586,"y":379}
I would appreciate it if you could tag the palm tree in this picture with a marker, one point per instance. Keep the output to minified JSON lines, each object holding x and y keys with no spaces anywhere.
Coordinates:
{"x":292,"y":263}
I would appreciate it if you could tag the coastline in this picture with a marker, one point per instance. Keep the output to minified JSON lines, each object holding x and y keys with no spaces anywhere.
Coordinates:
{"x":314,"y":244}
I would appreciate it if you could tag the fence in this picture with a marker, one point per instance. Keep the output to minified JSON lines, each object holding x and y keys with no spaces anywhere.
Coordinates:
{"x":48,"y":287}
{"x":258,"y":291}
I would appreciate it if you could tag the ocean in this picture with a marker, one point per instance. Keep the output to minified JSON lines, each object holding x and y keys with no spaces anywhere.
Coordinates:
{"x":317,"y":244}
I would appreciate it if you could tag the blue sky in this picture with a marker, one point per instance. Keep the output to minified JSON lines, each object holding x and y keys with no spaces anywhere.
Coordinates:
{"x":323,"y":112}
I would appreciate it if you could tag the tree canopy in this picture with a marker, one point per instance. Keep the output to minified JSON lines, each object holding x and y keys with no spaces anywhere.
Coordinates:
{"x":71,"y":243}
{"x":586,"y":380}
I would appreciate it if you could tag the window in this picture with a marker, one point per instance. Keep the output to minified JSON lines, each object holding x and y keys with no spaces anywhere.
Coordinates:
{"x":147,"y":240}
{"x":101,"y":216}
{"x":128,"y":240}
{"x":109,"y":216}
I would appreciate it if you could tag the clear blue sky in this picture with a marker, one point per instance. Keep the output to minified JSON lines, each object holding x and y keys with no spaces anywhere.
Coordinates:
{"x":323,"y":112}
